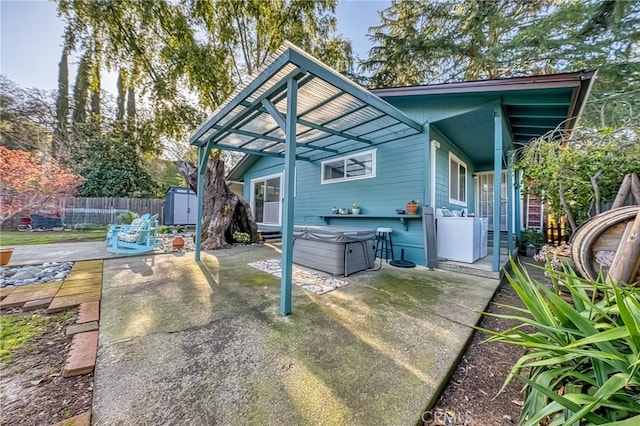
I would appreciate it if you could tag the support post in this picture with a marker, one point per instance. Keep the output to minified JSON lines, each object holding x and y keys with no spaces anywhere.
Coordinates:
{"x":286,"y":280}
{"x":497,"y":181}
{"x":510,"y":202}
{"x":427,"y":168}
{"x":518,"y":198}
{"x":201,"y":160}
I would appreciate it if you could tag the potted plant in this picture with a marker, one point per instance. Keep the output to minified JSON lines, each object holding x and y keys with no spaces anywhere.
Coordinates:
{"x":412,"y":207}
{"x":5,"y":255}
{"x":530,"y":242}
{"x":355,"y":209}
{"x":334,"y":210}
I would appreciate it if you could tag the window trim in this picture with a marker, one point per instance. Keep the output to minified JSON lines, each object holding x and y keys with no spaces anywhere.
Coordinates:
{"x":253,"y":193}
{"x":324,"y":181}
{"x":455,"y":201}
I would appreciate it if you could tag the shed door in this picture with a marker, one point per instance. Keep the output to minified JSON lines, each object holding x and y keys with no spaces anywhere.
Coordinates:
{"x":181,"y":209}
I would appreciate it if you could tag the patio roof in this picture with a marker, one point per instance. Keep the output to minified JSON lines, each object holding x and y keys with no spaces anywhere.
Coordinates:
{"x":334,"y":115}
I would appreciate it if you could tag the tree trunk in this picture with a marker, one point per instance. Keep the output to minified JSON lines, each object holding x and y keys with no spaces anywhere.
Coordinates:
{"x":223,"y":211}
{"x":567,"y":210}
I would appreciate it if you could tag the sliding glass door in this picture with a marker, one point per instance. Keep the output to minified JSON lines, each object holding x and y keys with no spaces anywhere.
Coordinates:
{"x":266,"y":199}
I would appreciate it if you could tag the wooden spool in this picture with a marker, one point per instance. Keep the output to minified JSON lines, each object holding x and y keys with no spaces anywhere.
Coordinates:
{"x":604,"y":238}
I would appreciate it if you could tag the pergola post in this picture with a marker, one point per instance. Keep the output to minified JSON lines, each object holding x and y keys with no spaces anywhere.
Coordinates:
{"x":201,"y":160}
{"x":497,"y":182}
{"x":286,"y":279}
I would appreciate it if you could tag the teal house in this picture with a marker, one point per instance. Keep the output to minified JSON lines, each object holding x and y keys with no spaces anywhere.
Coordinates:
{"x":316,"y":140}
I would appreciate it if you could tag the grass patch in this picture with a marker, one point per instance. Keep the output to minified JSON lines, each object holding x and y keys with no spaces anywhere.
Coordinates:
{"x":16,"y":330}
{"x":16,"y":238}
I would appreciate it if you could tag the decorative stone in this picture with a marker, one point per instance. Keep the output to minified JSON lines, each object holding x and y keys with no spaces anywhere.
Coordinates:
{"x":21,"y":275}
{"x":74,"y":329}
{"x":37,"y":304}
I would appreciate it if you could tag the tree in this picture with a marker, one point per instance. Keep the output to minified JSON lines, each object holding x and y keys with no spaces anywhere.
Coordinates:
{"x":62,"y":108}
{"x":27,"y":117}
{"x":189,"y":56}
{"x":439,"y":41}
{"x":426,"y":41}
{"x":80,"y":95}
{"x":226,"y":213}
{"x":115,"y":168}
{"x":27,"y":184}
{"x":579,"y":173}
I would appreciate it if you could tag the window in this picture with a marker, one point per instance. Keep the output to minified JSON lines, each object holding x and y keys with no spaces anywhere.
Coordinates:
{"x":266,"y":199}
{"x":355,"y":166}
{"x":457,"y":181}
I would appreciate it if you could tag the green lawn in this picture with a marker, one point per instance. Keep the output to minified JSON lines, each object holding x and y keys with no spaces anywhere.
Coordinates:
{"x":15,"y":238}
{"x":16,"y":330}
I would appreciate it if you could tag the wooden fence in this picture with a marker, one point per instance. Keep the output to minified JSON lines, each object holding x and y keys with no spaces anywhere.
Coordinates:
{"x":105,"y":210}
{"x":555,"y":235}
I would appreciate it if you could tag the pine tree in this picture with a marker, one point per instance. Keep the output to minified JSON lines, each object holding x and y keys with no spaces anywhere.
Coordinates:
{"x":120,"y":101}
{"x":62,"y":108}
{"x":80,"y":93}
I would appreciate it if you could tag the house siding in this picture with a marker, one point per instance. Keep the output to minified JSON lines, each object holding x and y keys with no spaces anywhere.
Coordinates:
{"x":442,"y":174}
{"x":402,"y":169}
{"x":400,"y":172}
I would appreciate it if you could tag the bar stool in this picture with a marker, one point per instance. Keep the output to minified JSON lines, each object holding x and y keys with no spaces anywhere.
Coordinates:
{"x":384,"y":244}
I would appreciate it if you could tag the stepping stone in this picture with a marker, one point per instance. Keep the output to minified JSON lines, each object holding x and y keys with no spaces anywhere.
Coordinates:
{"x":37,"y":304}
{"x":36,"y":287}
{"x":17,"y":299}
{"x":86,"y":289}
{"x":82,"y":283}
{"x":83,"y":275}
{"x":74,"y":329}
{"x":5,"y":291}
{"x":59,"y":304}
{"x":82,"y":357}
{"x":83,"y":419}
{"x":89,"y":311}
{"x":87,"y":265}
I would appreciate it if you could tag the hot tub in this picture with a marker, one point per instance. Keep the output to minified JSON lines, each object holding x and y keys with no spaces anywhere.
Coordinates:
{"x":338,"y":250}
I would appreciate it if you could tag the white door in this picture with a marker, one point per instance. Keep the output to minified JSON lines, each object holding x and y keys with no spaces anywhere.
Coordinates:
{"x":484,"y":199}
{"x":181,"y":209}
{"x":266,"y":199}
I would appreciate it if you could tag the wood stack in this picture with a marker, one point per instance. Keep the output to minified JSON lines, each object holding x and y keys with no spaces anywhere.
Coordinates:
{"x":610,"y":242}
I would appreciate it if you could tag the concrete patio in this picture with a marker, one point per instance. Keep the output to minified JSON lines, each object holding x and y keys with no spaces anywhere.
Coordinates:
{"x":182,"y":343}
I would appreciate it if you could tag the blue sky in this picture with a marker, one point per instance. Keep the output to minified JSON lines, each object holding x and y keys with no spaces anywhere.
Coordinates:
{"x":31,"y":38}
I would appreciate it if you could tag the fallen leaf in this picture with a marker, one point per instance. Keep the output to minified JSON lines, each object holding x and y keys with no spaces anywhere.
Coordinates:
{"x":36,"y":382}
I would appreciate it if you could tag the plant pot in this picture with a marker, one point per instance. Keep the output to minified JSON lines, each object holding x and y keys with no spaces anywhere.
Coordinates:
{"x":355,"y":211}
{"x":412,"y":208}
{"x":5,"y":255}
{"x":177,"y":243}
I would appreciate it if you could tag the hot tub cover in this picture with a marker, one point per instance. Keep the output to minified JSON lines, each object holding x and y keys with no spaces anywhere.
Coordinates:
{"x":333,"y":234}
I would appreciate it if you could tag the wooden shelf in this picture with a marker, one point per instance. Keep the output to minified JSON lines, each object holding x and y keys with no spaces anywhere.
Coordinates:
{"x":402,"y":217}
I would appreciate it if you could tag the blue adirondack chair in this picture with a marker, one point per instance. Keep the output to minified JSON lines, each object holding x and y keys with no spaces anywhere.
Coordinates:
{"x":140,"y":237}
{"x":114,"y":228}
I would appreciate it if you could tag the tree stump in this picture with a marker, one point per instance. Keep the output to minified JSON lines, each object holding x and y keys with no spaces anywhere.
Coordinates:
{"x":224,"y":212}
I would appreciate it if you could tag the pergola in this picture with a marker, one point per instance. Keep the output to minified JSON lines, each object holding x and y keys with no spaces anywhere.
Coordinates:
{"x":296,"y":108}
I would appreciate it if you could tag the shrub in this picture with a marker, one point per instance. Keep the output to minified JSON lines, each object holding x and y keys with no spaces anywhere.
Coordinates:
{"x":242,"y":237}
{"x":532,"y":237}
{"x":163,"y":229}
{"x":126,"y":218}
{"x":89,"y":227}
{"x":583,"y":357}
